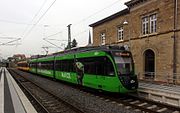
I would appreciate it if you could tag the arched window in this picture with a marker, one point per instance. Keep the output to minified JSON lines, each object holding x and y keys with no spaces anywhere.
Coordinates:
{"x":149,"y":61}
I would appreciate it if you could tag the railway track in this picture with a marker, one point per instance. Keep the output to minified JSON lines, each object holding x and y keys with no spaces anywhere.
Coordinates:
{"x":140,"y":104}
{"x":45,"y":101}
{"x":0,"y":72}
{"x":133,"y":102}
{"x":152,"y":105}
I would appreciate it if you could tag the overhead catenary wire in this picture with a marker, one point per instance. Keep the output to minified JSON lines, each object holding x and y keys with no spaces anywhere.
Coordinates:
{"x":24,"y":23}
{"x":53,"y":44}
{"x":92,"y":15}
{"x":39,"y":20}
{"x":54,"y":34}
{"x":14,"y":22}
{"x":54,"y":39}
{"x":7,"y":37}
{"x":9,"y":42}
{"x":74,"y":24}
{"x":35,"y":16}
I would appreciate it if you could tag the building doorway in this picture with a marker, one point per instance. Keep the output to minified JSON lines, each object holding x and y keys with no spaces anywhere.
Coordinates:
{"x":149,"y":57}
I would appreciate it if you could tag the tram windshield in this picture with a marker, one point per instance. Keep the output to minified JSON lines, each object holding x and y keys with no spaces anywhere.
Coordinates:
{"x":124,"y":65}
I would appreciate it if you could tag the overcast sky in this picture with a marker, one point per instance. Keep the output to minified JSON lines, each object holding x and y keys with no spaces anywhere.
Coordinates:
{"x":33,"y":20}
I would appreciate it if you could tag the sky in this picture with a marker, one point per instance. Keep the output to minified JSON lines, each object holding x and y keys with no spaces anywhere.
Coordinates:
{"x":28,"y":25}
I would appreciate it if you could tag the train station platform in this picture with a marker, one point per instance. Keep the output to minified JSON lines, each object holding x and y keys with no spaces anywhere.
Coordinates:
{"x":12,"y":99}
{"x":165,"y":93}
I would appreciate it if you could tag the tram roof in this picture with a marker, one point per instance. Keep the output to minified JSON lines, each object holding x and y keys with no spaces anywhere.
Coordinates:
{"x":84,"y":49}
{"x":90,"y":48}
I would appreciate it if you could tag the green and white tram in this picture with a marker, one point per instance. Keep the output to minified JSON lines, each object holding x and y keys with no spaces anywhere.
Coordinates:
{"x":107,"y":68}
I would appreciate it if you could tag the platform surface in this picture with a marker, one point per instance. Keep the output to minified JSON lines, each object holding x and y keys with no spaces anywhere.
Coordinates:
{"x":160,"y":87}
{"x":12,"y":99}
{"x":165,"y":93}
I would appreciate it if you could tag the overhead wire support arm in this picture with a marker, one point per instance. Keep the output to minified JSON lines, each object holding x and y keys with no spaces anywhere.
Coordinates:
{"x":8,"y":38}
{"x":52,"y":43}
{"x":9,"y":42}
{"x":54,"y":34}
{"x":54,"y":39}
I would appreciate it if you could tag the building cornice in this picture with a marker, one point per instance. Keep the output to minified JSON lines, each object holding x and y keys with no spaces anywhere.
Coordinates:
{"x":134,"y":3}
{"x":120,"y":13}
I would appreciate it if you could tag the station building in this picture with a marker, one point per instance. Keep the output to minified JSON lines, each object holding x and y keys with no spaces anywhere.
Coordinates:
{"x":151,"y":30}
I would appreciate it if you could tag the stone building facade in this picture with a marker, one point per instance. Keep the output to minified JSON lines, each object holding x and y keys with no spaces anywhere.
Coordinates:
{"x":151,"y":29}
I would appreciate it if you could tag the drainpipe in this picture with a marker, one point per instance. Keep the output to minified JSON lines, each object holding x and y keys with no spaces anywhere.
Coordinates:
{"x":174,"y":41}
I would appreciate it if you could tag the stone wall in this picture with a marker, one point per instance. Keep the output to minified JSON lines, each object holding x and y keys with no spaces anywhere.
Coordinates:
{"x":161,"y":42}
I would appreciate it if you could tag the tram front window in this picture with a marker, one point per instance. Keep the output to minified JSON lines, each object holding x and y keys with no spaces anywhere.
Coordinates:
{"x":124,"y":65}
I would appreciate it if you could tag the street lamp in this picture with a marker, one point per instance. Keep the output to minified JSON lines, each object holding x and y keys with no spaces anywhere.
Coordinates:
{"x":126,"y":23}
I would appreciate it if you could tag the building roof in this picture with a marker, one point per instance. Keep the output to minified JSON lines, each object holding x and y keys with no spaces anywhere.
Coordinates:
{"x":120,"y":13}
{"x":134,"y":2}
{"x":19,"y":55}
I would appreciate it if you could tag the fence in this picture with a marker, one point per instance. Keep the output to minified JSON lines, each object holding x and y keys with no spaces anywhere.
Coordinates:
{"x":167,"y":78}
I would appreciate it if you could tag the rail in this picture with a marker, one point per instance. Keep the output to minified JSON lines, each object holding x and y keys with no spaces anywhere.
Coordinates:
{"x":134,"y":103}
{"x":45,"y":99}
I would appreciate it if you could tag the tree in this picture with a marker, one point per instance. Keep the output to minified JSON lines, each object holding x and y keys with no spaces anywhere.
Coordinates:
{"x":73,"y":44}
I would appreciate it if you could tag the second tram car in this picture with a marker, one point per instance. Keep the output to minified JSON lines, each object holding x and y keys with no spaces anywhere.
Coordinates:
{"x":23,"y":65}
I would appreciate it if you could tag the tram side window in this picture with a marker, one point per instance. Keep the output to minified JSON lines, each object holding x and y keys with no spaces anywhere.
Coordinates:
{"x":45,"y":65}
{"x":58,"y":65}
{"x":25,"y":65}
{"x":35,"y":65}
{"x":109,"y":68}
{"x":65,"y":65}
{"x":32,"y":65}
{"x":39,"y":65}
{"x":48,"y":65}
{"x":71,"y":65}
{"x":97,"y":66}
{"x":100,"y":66}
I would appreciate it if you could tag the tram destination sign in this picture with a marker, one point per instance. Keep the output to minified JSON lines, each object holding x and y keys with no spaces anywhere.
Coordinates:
{"x":121,"y":54}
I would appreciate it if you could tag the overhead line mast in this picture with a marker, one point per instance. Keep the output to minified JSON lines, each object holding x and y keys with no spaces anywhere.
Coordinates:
{"x":69,"y":36}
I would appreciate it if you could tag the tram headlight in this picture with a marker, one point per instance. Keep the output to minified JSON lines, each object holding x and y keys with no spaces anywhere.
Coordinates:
{"x":132,"y":81}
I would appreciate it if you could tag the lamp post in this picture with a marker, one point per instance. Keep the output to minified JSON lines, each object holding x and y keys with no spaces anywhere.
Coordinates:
{"x":129,"y":38}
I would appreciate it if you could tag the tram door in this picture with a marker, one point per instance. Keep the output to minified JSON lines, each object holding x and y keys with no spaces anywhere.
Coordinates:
{"x":100,"y":72}
{"x":149,"y":63}
{"x":100,"y":65}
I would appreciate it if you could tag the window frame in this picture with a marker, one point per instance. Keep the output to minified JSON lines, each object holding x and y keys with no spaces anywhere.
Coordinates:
{"x":145,"y":25}
{"x":103,"y":38}
{"x":153,"y":23}
{"x":120,"y":33}
{"x":149,"y":24}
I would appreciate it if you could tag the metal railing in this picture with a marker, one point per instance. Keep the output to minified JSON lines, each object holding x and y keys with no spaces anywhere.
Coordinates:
{"x":161,"y":77}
